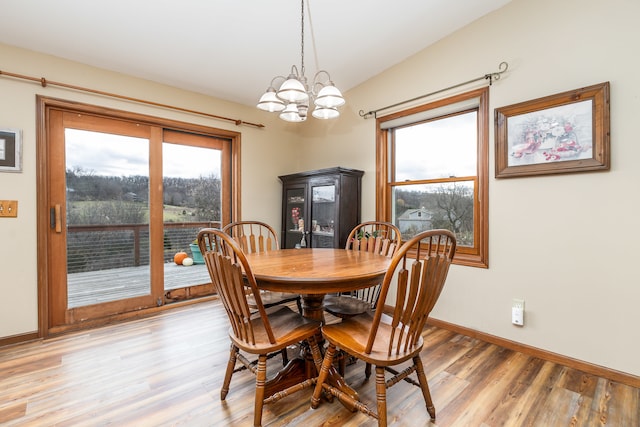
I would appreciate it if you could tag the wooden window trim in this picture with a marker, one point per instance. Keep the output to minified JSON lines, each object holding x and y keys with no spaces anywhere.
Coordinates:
{"x":476,"y":258}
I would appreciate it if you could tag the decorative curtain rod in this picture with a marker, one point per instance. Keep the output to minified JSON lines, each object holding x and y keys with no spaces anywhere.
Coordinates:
{"x":491,"y":77}
{"x":44,"y":82}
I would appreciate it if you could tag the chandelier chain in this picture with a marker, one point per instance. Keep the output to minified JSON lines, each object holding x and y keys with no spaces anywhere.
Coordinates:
{"x":302,"y":37}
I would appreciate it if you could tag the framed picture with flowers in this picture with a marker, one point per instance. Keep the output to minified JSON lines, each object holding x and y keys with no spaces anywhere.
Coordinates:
{"x":563,"y":133}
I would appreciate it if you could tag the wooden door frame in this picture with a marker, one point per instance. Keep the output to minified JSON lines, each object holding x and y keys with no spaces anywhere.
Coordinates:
{"x":44,"y":105}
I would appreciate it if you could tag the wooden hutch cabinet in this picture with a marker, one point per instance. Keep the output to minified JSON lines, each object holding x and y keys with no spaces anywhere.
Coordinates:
{"x":320,"y":208}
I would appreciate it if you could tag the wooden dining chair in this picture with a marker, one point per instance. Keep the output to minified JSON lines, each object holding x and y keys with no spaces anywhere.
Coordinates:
{"x":378,"y":237}
{"x":373,"y":236}
{"x":260,"y":333}
{"x":256,"y":236}
{"x":418,"y":271}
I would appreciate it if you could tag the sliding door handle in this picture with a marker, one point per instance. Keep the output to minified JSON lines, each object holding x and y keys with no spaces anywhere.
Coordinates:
{"x":54,"y":219}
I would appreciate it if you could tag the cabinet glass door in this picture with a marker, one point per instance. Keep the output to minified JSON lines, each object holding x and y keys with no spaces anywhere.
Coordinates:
{"x":295,"y":218}
{"x":323,"y":216}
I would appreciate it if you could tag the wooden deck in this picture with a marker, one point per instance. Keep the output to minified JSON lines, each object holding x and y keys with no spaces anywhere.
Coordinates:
{"x":96,"y":287}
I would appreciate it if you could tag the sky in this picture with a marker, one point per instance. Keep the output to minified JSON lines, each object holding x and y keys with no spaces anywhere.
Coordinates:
{"x":117,"y":155}
{"x":429,"y":150}
{"x":422,"y":148}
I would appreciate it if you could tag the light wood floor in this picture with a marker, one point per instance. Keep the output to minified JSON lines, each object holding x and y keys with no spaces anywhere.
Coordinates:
{"x":167,"y":370}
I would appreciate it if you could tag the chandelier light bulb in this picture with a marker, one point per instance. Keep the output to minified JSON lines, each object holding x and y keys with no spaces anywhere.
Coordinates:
{"x":292,"y":90}
{"x":325,"y":113}
{"x":291,"y":114}
{"x":270,"y":102}
{"x":329,"y":97}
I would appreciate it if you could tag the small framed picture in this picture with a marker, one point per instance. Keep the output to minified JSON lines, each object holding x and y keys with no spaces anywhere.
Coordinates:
{"x":562,"y":133}
{"x":10,"y":150}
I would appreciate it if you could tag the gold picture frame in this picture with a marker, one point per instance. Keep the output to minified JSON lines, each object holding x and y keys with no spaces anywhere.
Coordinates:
{"x":563,"y":133}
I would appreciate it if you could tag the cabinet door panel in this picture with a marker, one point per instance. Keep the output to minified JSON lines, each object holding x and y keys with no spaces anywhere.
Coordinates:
{"x":324,"y":215}
{"x":295,"y":211}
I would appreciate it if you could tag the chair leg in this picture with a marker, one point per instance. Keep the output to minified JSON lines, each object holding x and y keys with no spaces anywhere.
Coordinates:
{"x":322,"y":377}
{"x":231,"y":364}
{"x":299,"y":304}
{"x":285,"y":357}
{"x":425,"y":387}
{"x":367,"y":371}
{"x":381,"y":396}
{"x":315,"y":352}
{"x":261,"y":379}
{"x":342,"y":362}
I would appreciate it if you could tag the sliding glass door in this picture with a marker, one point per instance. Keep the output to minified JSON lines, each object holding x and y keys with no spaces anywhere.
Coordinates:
{"x":123,"y":198}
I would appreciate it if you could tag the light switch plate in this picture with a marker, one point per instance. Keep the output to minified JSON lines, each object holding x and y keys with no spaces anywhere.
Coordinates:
{"x":8,"y":208}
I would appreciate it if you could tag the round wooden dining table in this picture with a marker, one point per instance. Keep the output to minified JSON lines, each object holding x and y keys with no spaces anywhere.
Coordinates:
{"x":314,"y":272}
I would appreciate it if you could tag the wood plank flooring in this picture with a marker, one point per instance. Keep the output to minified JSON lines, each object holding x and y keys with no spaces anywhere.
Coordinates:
{"x":167,"y":370}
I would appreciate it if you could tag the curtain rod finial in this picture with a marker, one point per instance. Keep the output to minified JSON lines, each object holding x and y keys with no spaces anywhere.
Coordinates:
{"x":367,"y":115}
{"x":496,"y":75}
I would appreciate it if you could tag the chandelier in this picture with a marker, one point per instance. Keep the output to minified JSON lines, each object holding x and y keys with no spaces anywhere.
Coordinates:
{"x":295,"y":94}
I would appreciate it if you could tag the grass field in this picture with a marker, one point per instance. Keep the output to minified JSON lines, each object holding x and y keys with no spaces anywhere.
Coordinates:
{"x":176,"y":214}
{"x":95,"y":212}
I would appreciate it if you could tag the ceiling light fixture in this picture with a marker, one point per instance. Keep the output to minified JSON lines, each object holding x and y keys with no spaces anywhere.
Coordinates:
{"x":295,"y":95}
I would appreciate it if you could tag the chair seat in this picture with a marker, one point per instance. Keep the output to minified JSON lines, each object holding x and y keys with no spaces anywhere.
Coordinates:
{"x":288,"y":326}
{"x":352,"y":333}
{"x":346,"y":306}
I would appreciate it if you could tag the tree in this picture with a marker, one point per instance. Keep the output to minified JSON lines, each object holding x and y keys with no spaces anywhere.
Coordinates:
{"x":455,"y":211}
{"x":206,"y":193}
{"x":450,"y":205}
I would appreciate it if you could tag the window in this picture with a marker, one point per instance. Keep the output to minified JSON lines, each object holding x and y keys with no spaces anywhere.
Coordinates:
{"x":433,"y":171}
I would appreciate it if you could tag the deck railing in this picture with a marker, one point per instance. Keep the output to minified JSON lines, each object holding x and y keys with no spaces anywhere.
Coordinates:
{"x":100,"y":247}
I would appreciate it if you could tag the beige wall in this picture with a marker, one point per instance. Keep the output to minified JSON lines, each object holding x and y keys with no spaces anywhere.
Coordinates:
{"x":550,"y":237}
{"x":266,"y":153}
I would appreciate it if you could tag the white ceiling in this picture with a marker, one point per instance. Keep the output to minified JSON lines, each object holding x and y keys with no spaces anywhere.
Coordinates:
{"x":231,"y":49}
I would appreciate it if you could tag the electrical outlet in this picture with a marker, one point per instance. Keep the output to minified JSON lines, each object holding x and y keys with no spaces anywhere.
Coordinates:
{"x":517,"y":312}
{"x":8,"y":208}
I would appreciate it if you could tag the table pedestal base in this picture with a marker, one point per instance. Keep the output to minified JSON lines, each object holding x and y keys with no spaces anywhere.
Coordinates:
{"x":302,"y":368}
{"x":296,"y":372}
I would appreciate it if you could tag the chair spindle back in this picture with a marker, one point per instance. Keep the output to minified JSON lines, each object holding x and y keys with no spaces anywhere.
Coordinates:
{"x":421,"y":265}
{"x":226,"y":262}
{"x":374,"y":236}
{"x":253,"y":236}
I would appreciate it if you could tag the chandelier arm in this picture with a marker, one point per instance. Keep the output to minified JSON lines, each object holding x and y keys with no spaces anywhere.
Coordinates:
{"x":273,"y":80}
{"x":295,"y":73}
{"x":320,"y":72}
{"x":317,"y":82}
